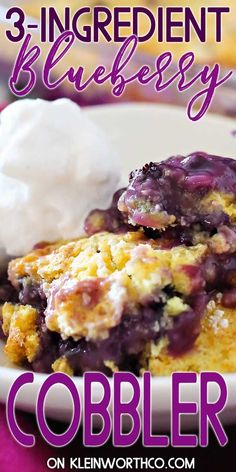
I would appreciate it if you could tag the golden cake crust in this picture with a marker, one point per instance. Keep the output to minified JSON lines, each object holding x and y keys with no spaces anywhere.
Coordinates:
{"x":20,"y":327}
{"x":90,"y":282}
{"x":214,"y":349}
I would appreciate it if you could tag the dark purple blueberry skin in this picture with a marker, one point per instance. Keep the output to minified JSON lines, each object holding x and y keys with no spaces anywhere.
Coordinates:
{"x":7,"y":294}
{"x":49,"y":347}
{"x":31,"y":294}
{"x":177,"y":186}
{"x":171,"y":237}
{"x":186,"y":327}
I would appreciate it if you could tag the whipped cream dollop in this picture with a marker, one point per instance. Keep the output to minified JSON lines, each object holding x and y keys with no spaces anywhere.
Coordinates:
{"x":55,"y":167}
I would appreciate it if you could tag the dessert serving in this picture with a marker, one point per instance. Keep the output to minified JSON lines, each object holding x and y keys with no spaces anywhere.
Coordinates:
{"x":149,"y":284}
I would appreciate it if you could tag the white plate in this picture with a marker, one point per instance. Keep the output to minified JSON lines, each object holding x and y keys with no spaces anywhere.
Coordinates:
{"x":142,"y":133}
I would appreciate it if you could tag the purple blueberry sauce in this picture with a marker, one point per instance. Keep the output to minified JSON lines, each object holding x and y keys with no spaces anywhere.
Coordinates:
{"x":176,"y":187}
{"x":110,"y":220}
{"x":124,"y":345}
{"x":126,"y":342}
{"x":7,"y":294}
{"x":186,"y":326}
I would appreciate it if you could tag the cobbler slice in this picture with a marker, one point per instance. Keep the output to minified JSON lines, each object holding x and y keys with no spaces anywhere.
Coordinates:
{"x":197,"y":189}
{"x":152,"y":285}
{"x":96,"y":303}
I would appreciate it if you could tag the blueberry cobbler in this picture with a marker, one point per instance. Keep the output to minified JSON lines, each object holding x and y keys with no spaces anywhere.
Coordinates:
{"x":152,"y":285}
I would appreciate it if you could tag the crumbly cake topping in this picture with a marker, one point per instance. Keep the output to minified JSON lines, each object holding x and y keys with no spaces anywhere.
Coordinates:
{"x":91,"y":282}
{"x":62,"y":365}
{"x":20,"y":327}
{"x":214,"y":349}
{"x":216,"y":317}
